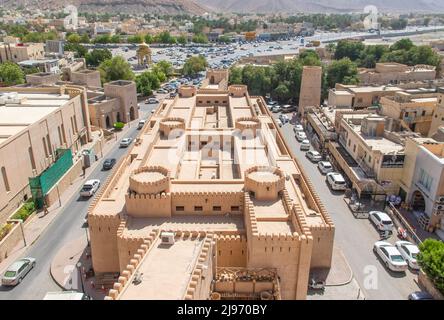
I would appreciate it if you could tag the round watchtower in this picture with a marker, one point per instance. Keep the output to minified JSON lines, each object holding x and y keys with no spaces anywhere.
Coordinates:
{"x":150,"y":180}
{"x":171,"y":123}
{"x":248,"y":126}
{"x":265,"y":182}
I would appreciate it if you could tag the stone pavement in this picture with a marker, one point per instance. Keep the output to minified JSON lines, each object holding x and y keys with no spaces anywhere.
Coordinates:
{"x":39,"y":222}
{"x":339,"y":281}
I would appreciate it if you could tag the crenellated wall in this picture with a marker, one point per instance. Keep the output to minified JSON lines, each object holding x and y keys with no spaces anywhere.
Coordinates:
{"x":231,"y":250}
{"x":207,"y":200}
{"x":148,"y":205}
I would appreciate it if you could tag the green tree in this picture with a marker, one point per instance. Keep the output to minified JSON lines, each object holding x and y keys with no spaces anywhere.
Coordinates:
{"x":115,"y":68}
{"x":342,"y":71}
{"x":398,"y":24}
{"x":194,"y":64}
{"x":165,"y":67}
{"x":73,"y":38}
{"x":431,"y":260}
{"x":282,"y":92}
{"x":235,"y":75}
{"x":182,"y":39}
{"x":146,"y":82}
{"x":11,"y":74}
{"x":349,"y":49}
{"x":135,"y":39}
{"x":165,"y":37}
{"x":149,"y":38}
{"x":115,"y":38}
{"x":403,"y":44}
{"x":84,"y":38}
{"x":97,"y":56}
{"x":200,"y":38}
{"x":79,"y":50}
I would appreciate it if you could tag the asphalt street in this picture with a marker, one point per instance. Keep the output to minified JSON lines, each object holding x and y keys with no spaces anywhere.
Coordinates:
{"x":355,"y":237}
{"x":66,"y":227}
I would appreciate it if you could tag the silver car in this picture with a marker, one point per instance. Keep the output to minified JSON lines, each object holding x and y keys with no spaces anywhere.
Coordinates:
{"x":17,"y":271}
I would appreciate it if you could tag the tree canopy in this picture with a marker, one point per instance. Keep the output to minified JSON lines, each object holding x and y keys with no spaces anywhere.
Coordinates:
{"x":194,"y":64}
{"x":431,"y":260}
{"x":11,"y":74}
{"x":115,"y":68}
{"x":96,"y":56}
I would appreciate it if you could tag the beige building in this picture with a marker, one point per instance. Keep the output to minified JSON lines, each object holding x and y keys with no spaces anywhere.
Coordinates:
{"x":16,"y":51}
{"x":358,"y":97}
{"x":310,"y":94}
{"x":414,"y":108}
{"x":395,"y":73}
{"x":209,"y":204}
{"x":370,"y":151}
{"x":117,"y":102}
{"x":34,"y":123}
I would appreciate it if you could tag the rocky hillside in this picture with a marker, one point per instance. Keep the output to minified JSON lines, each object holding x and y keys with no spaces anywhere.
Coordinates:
{"x":115,"y":6}
{"x":336,"y":6}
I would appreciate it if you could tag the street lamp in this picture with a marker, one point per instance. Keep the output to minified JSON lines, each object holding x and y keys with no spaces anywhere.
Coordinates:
{"x":79,"y":266}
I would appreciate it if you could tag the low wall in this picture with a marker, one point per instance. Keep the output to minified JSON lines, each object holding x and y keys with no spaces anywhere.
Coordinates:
{"x":10,"y":241}
{"x":427,"y":284}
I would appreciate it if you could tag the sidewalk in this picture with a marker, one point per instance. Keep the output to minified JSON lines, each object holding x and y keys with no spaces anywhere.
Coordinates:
{"x":339,"y":281}
{"x":34,"y":228}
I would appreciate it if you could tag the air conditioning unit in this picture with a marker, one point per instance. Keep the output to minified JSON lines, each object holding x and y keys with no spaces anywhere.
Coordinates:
{"x":167,"y":237}
{"x":440,"y":199}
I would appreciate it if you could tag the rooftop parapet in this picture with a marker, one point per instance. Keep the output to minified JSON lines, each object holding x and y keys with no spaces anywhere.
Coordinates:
{"x":171,"y":123}
{"x":150,"y":180}
{"x":265,"y":182}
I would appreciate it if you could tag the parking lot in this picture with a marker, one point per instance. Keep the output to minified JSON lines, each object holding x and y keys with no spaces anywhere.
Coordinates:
{"x":356,"y":237}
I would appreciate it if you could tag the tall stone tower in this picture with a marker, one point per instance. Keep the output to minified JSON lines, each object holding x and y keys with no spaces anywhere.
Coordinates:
{"x":310,"y":95}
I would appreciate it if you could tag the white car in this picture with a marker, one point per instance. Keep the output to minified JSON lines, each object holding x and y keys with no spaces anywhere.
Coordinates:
{"x":275,"y":109}
{"x":152,"y":100}
{"x":284,"y":118}
{"x":325,"y":167}
{"x":15,"y":273}
{"x":381,"y":220}
{"x":336,"y":181}
{"x":279,"y":122}
{"x":409,"y":252}
{"x":314,"y":156}
{"x":301,"y":136}
{"x":125,"y":142}
{"x":390,"y":255}
{"x":90,"y":187}
{"x":305,"y":145}
{"x":298,"y":128}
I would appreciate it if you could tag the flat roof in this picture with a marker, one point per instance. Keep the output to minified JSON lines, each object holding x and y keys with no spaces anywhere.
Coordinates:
{"x":165,"y":271}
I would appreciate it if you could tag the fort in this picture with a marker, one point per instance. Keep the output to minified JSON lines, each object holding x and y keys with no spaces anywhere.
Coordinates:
{"x":200,"y":209}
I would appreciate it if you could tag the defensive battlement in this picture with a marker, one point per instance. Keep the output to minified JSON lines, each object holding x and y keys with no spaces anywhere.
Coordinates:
{"x":186,"y":91}
{"x":103,"y":220}
{"x":150,"y":180}
{"x":200,"y":269}
{"x":206,"y":193}
{"x":248,"y":126}
{"x":265,"y":182}
{"x":231,"y":238}
{"x":171,"y":123}
{"x":237,"y":90}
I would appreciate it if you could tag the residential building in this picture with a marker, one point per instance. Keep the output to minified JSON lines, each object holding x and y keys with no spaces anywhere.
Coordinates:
{"x":18,"y":52}
{"x":394,"y":73}
{"x":210,"y":174}
{"x":35,"y":122}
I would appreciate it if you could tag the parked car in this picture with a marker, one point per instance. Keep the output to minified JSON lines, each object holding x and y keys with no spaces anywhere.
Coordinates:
{"x":336,"y":181}
{"x":162,"y":91}
{"x":298,"y":128}
{"x":381,"y":220}
{"x":108,"y":163}
{"x":288,"y":108}
{"x":300,"y":135}
{"x":276,"y":109}
{"x":90,"y":188}
{"x":284,"y":118}
{"x":152,"y":100}
{"x":409,"y":252}
{"x":390,"y":256}
{"x":125,"y":142}
{"x":173,"y":94}
{"x":279,"y":122}
{"x":420,"y":295}
{"x":314,"y":156}
{"x":325,"y":167}
{"x":305,"y":145}
{"x":15,"y":273}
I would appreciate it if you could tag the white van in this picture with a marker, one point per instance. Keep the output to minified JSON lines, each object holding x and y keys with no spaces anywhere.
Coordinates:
{"x":141,"y":124}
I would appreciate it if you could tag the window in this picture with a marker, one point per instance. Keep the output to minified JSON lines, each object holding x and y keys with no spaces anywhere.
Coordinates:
{"x":31,"y":157}
{"x":354,"y":148}
{"x":180,"y":208}
{"x":63,"y":133}
{"x":423,"y":113}
{"x":425,"y":179}
{"x":406,"y":115}
{"x":75,"y":124}
{"x":369,"y":159}
{"x":234,"y":208}
{"x":49,"y":144}
{"x":60,"y":135}
{"x":5,"y":179}
{"x":198,"y":208}
{"x":45,"y":147}
{"x":217,"y":208}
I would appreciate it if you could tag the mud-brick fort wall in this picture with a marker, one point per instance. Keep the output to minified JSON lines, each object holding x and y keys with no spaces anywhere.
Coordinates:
{"x":231,"y":250}
{"x":206,"y":202}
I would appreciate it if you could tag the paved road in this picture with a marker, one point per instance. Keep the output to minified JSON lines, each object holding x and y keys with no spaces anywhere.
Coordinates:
{"x":355,"y":236}
{"x":67,"y":226}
